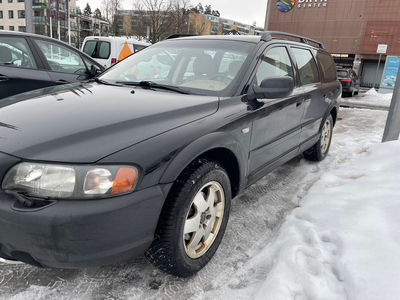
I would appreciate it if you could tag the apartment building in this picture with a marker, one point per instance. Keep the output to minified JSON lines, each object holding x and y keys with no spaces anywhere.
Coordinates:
{"x":12,"y":17}
{"x":209,"y":24}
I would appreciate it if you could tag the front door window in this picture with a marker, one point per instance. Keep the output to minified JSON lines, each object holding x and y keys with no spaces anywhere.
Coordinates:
{"x":62,"y":59}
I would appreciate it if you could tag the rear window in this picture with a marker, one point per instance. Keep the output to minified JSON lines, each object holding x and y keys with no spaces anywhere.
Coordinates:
{"x":326,"y":64}
{"x":342,"y":73}
{"x":97,"y":49}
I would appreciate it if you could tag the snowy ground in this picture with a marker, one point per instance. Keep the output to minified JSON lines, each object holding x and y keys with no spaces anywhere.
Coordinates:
{"x":305,"y":231}
{"x":371,"y":98}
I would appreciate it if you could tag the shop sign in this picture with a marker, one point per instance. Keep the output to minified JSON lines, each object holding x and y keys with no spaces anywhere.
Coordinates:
{"x":287,"y":5}
{"x":381,"y":48}
{"x":312,"y":3}
{"x":390,"y":72}
{"x":340,"y":55}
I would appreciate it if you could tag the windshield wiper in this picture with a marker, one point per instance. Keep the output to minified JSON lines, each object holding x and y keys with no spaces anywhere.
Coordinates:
{"x":150,"y":84}
{"x":101,"y":81}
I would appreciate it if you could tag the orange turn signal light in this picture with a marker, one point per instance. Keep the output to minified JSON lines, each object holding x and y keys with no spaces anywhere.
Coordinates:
{"x":123,"y":181}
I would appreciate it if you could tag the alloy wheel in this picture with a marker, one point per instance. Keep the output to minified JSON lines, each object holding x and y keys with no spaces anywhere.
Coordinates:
{"x":325,"y":136}
{"x":204,"y":219}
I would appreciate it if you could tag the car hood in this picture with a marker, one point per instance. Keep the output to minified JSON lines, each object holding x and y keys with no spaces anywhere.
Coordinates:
{"x":89,"y":121}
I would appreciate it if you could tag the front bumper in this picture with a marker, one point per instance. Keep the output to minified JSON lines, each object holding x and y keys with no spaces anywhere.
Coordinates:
{"x":78,"y":234}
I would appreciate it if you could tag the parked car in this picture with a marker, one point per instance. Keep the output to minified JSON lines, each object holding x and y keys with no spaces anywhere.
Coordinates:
{"x":30,"y":61}
{"x":98,"y":172}
{"x":350,"y":82}
{"x":106,"y":50}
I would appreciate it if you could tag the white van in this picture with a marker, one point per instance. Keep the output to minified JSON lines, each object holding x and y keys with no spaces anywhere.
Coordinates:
{"x":106,"y":50}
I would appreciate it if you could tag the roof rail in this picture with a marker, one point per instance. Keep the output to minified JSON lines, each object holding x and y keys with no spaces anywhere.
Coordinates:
{"x":179,"y":35}
{"x":267,"y":36}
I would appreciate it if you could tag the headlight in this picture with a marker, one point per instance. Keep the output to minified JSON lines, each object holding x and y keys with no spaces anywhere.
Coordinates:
{"x":70,"y":182}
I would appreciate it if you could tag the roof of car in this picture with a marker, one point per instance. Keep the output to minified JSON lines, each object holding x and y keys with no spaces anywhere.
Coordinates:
{"x":117,"y":38}
{"x":243,"y":38}
{"x":8,"y":32}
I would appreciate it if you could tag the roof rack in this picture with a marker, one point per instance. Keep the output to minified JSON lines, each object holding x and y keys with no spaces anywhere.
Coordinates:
{"x":267,"y":36}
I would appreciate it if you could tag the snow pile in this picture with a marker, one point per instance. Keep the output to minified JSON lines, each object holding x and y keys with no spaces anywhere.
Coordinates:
{"x":343,"y":242}
{"x":370,"y":98}
{"x":377,"y":96}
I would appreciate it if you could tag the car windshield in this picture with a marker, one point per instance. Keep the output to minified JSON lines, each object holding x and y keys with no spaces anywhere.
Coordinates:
{"x":201,"y":66}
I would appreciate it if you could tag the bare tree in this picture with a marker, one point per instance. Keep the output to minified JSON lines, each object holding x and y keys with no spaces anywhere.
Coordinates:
{"x":158,"y":13}
{"x":180,"y":16}
{"x":109,"y":10}
{"x":140,"y":20}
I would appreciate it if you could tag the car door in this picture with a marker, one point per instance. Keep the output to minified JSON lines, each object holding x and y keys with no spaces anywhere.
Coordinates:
{"x":64,"y":64}
{"x":276,"y":124}
{"x":315,"y":93}
{"x":19,"y":70}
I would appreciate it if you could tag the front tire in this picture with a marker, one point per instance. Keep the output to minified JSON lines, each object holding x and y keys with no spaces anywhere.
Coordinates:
{"x":320,"y":149}
{"x":193,"y":220}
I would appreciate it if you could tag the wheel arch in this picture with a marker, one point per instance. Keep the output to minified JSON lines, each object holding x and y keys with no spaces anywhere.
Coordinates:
{"x":221,"y":147}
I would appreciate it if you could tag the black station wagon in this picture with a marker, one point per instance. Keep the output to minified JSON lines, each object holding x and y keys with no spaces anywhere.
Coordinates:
{"x":31,"y":61}
{"x":146,"y":157}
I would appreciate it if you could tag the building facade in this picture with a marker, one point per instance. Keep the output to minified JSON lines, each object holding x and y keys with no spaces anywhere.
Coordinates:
{"x":349,"y":29}
{"x":209,"y":24}
{"x":12,"y":17}
{"x":130,"y":23}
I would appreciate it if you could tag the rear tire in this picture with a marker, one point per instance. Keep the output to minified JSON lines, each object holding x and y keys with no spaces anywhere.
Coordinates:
{"x":320,"y":149}
{"x":193,"y":220}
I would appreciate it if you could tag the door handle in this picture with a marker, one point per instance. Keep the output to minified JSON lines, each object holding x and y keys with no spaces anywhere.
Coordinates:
{"x":3,"y":78}
{"x":299,"y":103}
{"x":61,"y":81}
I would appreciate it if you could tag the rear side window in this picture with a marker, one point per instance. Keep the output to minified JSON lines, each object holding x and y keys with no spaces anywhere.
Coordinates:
{"x":307,"y":67}
{"x":15,"y":52}
{"x":97,"y":49}
{"x":327,"y":66}
{"x":139,"y":47}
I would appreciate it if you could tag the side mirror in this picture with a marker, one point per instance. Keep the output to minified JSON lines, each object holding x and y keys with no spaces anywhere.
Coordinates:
{"x":272,"y":88}
{"x":94,"y":70}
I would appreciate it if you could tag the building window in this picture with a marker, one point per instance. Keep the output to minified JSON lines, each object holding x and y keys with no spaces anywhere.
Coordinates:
{"x":1,"y":27}
{"x":9,"y":1}
{"x":1,"y":14}
{"x":21,"y":14}
{"x":11,"y":14}
{"x":22,"y":28}
{"x":21,"y":1}
{"x":11,"y":28}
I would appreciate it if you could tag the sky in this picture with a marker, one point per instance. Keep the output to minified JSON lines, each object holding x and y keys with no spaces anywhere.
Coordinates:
{"x":236,"y":10}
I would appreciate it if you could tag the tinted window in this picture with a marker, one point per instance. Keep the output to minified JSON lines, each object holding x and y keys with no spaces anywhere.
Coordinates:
{"x":104,"y":50}
{"x":97,"y":49}
{"x":307,"y":67}
{"x":326,"y":65}
{"x":61,"y":59}
{"x":138,"y":48}
{"x":14,"y":52}
{"x":275,"y":62}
